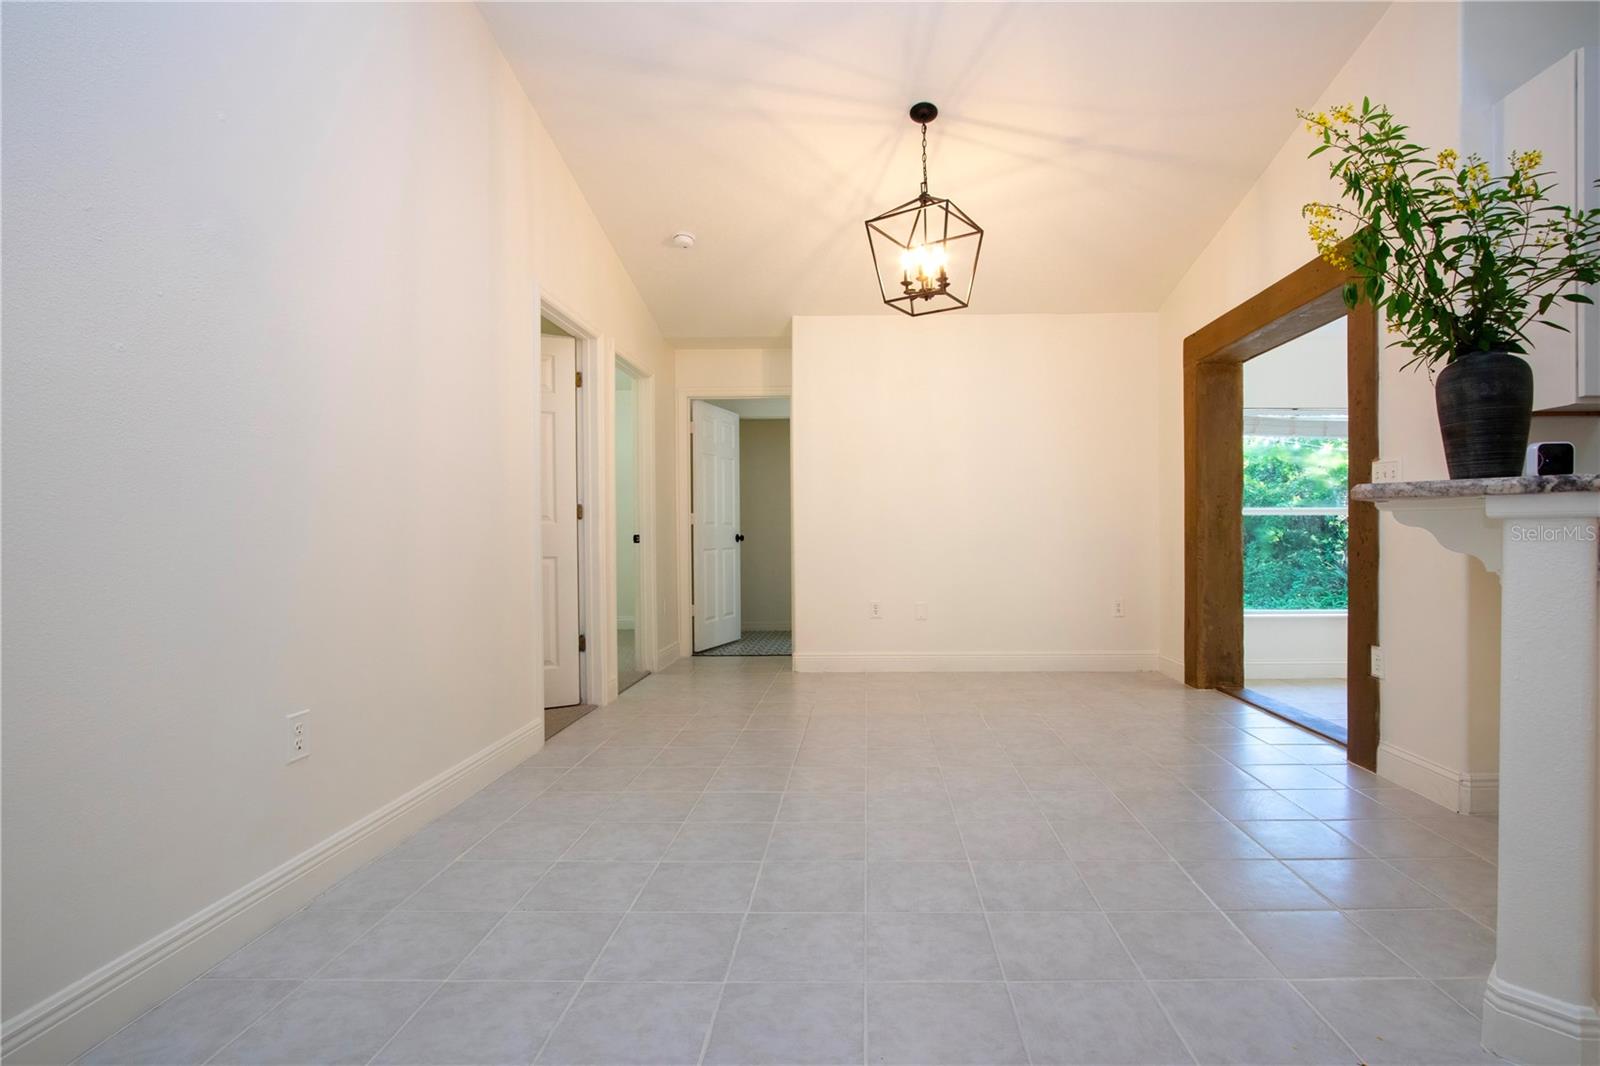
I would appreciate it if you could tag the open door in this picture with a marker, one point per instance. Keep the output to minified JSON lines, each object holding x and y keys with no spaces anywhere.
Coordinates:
{"x":717,"y":618}
{"x":558,"y":516}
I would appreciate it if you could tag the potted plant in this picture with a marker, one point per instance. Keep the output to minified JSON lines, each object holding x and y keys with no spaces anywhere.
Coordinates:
{"x":1462,"y":262}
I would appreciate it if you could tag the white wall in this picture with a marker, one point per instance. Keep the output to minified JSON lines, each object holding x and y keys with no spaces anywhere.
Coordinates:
{"x":1410,"y":61}
{"x":732,"y":371}
{"x":269,"y":445}
{"x":764,"y":518}
{"x":990,"y":466}
{"x":1280,"y":644}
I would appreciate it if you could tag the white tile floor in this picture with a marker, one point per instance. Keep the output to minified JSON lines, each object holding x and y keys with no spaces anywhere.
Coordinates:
{"x":735,"y":864}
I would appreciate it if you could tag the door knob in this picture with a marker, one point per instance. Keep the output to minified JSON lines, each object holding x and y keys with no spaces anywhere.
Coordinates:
{"x":738,"y":536}
{"x":636,"y":538}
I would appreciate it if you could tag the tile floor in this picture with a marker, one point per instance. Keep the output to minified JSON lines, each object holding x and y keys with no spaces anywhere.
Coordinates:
{"x":735,"y":864}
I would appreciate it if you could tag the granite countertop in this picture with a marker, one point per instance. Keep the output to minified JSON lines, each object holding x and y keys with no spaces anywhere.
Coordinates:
{"x":1481,"y":486}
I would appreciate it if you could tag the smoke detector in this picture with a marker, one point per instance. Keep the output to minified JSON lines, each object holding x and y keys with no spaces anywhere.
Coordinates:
{"x":683,"y":240}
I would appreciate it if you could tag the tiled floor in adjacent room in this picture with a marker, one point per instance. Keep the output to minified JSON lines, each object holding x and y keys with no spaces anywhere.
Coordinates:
{"x":736,"y":864}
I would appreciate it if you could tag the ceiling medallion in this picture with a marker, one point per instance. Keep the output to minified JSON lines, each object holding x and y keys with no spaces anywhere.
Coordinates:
{"x":925,"y":251}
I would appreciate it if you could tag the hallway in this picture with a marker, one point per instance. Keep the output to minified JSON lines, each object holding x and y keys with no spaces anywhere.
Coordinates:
{"x":739,"y":864}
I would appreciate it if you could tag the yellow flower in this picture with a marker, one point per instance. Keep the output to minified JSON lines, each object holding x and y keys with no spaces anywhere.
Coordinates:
{"x":1528,"y":162}
{"x":1344,"y":113}
{"x":1448,"y":159}
{"x":1478,"y":173}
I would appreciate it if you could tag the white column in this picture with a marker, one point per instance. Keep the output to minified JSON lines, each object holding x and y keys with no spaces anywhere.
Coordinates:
{"x":1539,"y":1006}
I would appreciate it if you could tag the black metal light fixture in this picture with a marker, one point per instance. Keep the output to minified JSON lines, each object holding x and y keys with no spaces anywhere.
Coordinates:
{"x":925,"y":251}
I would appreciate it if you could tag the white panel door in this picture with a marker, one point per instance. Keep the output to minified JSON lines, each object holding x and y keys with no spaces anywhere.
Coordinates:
{"x":558,"y":516}
{"x":716,"y":527}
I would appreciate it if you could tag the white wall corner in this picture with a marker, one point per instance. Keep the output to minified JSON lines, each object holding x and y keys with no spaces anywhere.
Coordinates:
{"x":1454,"y":790}
{"x":65,"y":1025}
{"x":666,"y":655}
{"x":1546,"y":1029}
{"x":978,"y":662}
{"x":1480,"y":794}
{"x":1170,"y":667}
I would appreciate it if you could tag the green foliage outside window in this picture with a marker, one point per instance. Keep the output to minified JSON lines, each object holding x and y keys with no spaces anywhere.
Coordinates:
{"x":1295,"y":562}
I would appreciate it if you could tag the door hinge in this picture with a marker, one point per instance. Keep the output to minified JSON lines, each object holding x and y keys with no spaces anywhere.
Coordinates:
{"x":580,"y":512}
{"x":580,"y":379}
{"x":583,"y":642}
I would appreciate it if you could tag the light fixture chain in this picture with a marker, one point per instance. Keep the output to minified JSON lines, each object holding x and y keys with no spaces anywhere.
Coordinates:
{"x":924,"y":158}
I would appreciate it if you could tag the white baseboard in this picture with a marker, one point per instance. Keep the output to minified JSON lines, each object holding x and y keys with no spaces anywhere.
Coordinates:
{"x":1453,"y":790}
{"x":1480,"y":794}
{"x":666,"y":656}
{"x":624,"y":621}
{"x":1292,"y":669}
{"x":1522,"y":1025}
{"x":1171,"y":667}
{"x":65,"y":1025}
{"x":985,"y":662}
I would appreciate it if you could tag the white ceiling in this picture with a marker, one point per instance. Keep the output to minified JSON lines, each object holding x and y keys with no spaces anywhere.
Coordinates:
{"x":1099,"y":145}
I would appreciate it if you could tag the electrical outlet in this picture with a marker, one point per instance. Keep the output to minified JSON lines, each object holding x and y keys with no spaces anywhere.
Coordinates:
{"x":874,"y":609}
{"x":1116,"y":609}
{"x":1384,"y":470}
{"x":297,"y":741}
{"x":1377,"y":662}
{"x":922,"y":612}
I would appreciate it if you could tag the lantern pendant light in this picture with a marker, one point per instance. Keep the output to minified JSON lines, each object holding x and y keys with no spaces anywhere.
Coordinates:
{"x":925,"y":251}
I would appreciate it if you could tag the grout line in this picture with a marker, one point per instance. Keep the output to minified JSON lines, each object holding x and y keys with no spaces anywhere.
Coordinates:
{"x":494,"y":926}
{"x":738,"y":936}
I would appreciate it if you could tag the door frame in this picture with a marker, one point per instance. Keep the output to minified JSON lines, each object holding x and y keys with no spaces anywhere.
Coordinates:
{"x":1213,"y":456}
{"x":594,"y":352}
{"x":644,"y":625}
{"x":687,"y":394}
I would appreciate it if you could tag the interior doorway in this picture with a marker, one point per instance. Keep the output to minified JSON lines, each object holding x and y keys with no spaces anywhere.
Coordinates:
{"x":740,"y":554}
{"x":1296,"y":519}
{"x":629,"y":525}
{"x":1215,"y":516}
{"x":564,"y":355}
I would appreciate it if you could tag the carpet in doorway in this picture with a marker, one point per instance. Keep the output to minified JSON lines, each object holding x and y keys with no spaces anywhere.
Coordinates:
{"x":768,"y":642}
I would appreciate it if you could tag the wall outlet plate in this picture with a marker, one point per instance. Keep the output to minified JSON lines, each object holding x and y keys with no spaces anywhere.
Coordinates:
{"x":1377,"y":662}
{"x":1385,"y":470}
{"x":874,"y":609}
{"x":922,"y":612}
{"x":297,"y":737}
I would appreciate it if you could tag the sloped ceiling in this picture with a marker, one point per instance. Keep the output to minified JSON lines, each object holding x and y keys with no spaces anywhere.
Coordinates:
{"x":1100,"y":145}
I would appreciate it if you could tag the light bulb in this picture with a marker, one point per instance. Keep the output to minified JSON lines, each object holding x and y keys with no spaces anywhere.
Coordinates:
{"x":925,"y":260}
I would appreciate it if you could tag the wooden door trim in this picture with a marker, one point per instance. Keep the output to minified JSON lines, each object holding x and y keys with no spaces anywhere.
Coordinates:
{"x":1213,"y":456}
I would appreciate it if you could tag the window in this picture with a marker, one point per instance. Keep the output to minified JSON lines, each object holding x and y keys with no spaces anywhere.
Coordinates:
{"x":1296,"y":509}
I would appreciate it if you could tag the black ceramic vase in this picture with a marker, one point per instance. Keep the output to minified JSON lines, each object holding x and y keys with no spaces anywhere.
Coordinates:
{"x":1485,"y":402}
